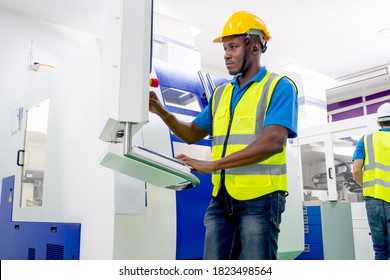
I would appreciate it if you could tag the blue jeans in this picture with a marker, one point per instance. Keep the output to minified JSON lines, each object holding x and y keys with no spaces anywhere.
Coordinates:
{"x":243,"y":229}
{"x":378,"y":214}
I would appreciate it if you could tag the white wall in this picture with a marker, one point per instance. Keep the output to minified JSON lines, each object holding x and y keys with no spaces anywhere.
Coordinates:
{"x":76,"y":188}
{"x":51,"y":45}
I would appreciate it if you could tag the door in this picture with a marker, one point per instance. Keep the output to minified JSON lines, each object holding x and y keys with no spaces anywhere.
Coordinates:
{"x":317,"y":163}
{"x":32,"y":157}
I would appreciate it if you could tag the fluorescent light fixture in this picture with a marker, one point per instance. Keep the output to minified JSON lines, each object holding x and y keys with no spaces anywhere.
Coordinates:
{"x":306,"y":72}
{"x":385,"y":32}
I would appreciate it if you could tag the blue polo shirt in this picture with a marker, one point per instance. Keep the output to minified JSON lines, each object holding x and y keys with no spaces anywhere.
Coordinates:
{"x":359,"y":150}
{"x":283,"y":108}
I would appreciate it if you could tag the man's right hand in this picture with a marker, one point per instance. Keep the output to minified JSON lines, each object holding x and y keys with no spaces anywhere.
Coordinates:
{"x":155,"y":105}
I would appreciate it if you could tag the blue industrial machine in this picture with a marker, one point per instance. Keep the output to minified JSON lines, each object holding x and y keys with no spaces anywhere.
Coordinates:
{"x":186,"y":94}
{"x":34,"y":240}
{"x":328,"y":231}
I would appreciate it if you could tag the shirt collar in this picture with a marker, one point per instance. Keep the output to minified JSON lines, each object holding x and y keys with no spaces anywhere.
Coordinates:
{"x":257,"y":78}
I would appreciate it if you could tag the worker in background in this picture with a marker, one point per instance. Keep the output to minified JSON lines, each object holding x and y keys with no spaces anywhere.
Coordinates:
{"x":250,"y":119}
{"x":371,"y":170}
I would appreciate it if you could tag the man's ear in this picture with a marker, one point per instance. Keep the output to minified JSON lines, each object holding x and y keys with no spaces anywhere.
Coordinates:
{"x":256,"y":47}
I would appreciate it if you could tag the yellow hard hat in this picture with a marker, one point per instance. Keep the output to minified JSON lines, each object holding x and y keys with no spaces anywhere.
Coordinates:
{"x":243,"y":23}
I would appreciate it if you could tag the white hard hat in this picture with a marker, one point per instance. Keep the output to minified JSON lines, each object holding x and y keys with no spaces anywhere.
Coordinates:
{"x":383,"y":113}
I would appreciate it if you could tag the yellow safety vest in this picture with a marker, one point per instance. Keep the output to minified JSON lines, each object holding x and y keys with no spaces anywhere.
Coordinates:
{"x":376,"y":168}
{"x":233,"y":134}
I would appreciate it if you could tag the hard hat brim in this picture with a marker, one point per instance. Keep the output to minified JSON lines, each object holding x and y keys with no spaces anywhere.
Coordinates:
{"x":383,"y":119}
{"x":218,"y":40}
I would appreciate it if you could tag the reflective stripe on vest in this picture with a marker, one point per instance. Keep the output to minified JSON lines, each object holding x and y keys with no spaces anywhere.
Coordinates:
{"x":376,"y":169}
{"x":246,"y":125}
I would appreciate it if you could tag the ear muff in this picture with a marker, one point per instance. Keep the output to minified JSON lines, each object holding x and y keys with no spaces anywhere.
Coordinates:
{"x":264,"y":48}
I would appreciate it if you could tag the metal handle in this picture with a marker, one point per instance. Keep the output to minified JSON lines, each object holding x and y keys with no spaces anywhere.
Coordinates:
{"x":329,"y":170}
{"x":18,"y":158}
{"x":127,"y":143}
{"x":210,"y":81}
{"x":205,"y":86}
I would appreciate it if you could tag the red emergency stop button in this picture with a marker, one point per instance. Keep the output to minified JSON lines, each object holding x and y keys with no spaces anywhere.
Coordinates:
{"x":153,"y":82}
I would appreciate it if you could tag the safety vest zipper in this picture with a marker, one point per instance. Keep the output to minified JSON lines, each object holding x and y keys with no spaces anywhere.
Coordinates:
{"x":225,"y":143}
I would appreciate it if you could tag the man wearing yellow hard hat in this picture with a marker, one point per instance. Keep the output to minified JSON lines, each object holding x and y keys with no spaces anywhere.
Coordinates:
{"x":250,"y":119}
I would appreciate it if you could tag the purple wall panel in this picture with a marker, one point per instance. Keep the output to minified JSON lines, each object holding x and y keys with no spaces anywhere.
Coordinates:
{"x":344,"y":103}
{"x":348,"y":114}
{"x":371,"y":109}
{"x":378,"y":95}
